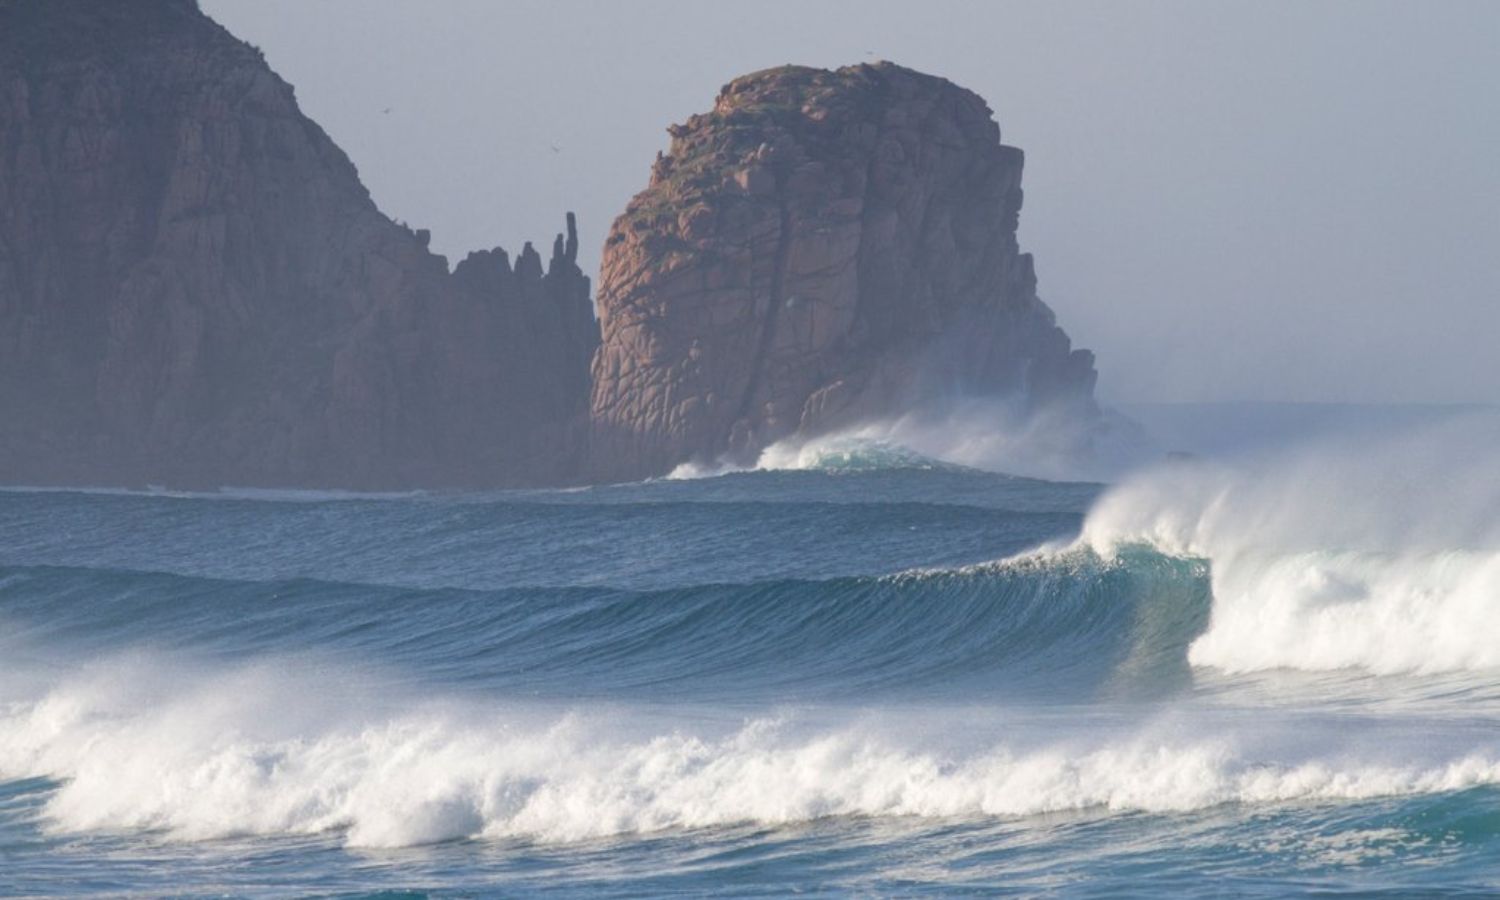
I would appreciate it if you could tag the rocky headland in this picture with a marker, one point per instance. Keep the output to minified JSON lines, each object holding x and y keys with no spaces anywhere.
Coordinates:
{"x":821,"y":247}
{"x":196,"y":289}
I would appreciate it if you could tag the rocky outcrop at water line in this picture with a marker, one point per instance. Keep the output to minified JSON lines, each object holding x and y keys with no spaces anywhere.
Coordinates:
{"x":821,"y":247}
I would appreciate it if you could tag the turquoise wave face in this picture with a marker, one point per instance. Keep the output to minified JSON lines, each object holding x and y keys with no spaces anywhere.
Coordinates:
{"x":885,"y":679}
{"x":1058,"y":626}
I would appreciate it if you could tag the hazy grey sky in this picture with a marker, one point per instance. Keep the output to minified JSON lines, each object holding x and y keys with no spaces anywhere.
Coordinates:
{"x":1266,"y":201}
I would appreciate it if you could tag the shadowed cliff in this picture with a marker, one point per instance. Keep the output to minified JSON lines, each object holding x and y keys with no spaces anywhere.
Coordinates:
{"x":196,"y":289}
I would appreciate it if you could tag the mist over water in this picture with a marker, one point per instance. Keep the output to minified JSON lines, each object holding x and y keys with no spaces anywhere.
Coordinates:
{"x":1379,"y":553}
{"x":996,"y":435}
{"x":1271,"y":669}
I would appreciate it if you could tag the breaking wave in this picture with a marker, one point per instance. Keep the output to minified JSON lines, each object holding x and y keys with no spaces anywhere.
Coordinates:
{"x":1028,"y":621}
{"x":142,"y":744}
{"x":1383,"y":556}
{"x":987,"y":434}
{"x":1086,"y":675}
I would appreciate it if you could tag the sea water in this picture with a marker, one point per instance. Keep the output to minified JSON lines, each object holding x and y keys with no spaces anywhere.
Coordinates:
{"x":872,"y":672}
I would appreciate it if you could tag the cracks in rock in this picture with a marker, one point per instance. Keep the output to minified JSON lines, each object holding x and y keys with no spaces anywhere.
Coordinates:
{"x":767,"y":338}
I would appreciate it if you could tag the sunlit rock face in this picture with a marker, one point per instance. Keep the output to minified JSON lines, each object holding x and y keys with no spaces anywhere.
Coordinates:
{"x":196,"y":289}
{"x":821,"y":247}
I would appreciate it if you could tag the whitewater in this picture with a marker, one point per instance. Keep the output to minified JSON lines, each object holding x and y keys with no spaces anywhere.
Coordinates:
{"x":881,"y":662}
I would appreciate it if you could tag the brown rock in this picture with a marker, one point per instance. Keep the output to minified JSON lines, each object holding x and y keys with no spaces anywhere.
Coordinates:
{"x":863,"y":259}
{"x":756,"y":181}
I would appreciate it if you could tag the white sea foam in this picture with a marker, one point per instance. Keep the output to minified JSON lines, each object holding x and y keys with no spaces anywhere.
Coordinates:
{"x":693,"y":469}
{"x":994,"y":436}
{"x":1383,"y":555}
{"x":989,"y":434}
{"x":141,"y":744}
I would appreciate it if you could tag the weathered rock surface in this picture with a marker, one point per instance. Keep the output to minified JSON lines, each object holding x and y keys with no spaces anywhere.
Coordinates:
{"x":196,"y":289}
{"x":821,"y":247}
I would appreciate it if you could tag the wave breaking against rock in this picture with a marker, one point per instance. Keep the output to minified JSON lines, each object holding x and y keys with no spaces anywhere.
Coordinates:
{"x":196,"y":290}
{"x":822,"y":248}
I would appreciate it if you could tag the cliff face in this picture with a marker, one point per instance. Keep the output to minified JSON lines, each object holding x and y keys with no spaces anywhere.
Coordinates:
{"x":822,"y":247}
{"x":195,"y":288}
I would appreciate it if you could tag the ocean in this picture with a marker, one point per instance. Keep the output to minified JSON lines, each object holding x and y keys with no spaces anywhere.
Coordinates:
{"x":870,"y":671}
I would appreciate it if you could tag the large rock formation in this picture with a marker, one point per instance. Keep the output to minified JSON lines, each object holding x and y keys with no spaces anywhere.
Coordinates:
{"x":195,"y":288}
{"x":822,"y":247}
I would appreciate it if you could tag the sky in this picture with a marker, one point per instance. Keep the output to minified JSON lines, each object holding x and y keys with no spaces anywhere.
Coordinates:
{"x":1266,"y":201}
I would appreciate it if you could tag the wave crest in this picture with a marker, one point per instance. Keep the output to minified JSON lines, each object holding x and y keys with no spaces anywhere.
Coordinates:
{"x":200,"y":762}
{"x":1072,"y":621}
{"x":1381,"y":555}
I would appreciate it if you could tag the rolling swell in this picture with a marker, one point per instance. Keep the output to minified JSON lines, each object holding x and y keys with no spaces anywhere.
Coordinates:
{"x":1071,"y":619}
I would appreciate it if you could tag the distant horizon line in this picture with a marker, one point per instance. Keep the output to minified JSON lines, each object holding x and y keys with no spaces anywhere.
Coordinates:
{"x":1444,"y":404}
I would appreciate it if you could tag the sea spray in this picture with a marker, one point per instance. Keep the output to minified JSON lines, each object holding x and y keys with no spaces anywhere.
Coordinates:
{"x":1383,"y":555}
{"x":203,"y":760}
{"x":995,"y":435}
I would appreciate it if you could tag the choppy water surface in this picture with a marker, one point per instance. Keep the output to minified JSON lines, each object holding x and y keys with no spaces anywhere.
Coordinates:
{"x":1261,"y":678}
